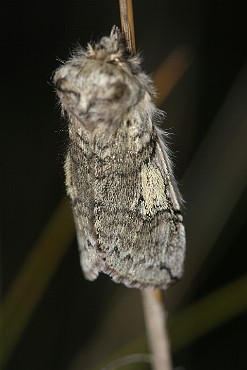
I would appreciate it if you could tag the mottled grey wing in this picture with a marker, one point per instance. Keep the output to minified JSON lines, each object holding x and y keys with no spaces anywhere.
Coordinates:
{"x":136,"y":234}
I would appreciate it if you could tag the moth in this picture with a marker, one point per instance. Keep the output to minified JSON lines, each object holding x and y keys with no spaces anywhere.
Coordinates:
{"x":118,"y":172}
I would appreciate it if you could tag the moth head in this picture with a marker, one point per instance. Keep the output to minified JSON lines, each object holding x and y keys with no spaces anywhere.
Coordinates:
{"x":100,"y":85}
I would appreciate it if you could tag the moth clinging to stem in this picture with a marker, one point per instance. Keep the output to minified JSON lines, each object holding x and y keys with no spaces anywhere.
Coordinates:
{"x":118,"y":173}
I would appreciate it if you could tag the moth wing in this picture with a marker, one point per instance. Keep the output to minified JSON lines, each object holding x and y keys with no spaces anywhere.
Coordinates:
{"x":144,"y":244}
{"x":163,"y":234}
{"x":89,"y":259}
{"x":87,"y":243}
{"x":177,"y":239}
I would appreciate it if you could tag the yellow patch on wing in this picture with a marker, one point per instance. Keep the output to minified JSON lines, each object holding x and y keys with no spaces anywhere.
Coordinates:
{"x":153,"y":190}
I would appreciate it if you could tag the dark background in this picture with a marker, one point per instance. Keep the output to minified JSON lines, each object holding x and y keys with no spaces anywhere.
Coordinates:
{"x":81,"y":325}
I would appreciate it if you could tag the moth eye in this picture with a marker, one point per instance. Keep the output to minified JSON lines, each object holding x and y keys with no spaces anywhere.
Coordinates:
{"x":60,"y":86}
{"x":116,"y":91}
{"x":74,"y":95}
{"x":119,"y":90}
{"x":69,"y":97}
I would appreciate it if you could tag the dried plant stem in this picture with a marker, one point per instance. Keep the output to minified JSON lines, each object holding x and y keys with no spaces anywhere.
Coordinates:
{"x":154,"y":315}
{"x":127,"y":24}
{"x":154,"y":312}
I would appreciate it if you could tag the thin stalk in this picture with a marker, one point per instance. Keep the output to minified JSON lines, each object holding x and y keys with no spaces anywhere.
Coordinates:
{"x":155,"y":320}
{"x":154,"y":312}
{"x":127,"y":24}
